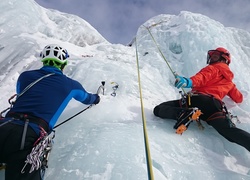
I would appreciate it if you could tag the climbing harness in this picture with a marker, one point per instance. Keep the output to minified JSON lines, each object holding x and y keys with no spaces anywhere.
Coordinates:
{"x":38,"y":158}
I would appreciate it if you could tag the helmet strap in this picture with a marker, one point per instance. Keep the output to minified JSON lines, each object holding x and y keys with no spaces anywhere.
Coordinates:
{"x":224,"y":60}
{"x":63,"y":66}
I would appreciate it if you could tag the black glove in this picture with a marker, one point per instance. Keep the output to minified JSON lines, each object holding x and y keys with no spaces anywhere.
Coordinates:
{"x":97,"y":99}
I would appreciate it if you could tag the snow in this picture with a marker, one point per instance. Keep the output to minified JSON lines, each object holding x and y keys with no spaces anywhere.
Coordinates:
{"x":106,"y":142}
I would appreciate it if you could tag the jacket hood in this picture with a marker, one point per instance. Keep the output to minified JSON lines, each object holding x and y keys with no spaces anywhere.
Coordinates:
{"x":224,"y":70}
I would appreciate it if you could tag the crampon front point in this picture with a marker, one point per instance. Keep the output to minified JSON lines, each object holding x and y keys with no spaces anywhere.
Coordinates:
{"x":194,"y":116}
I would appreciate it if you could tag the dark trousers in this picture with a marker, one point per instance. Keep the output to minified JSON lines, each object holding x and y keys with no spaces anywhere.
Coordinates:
{"x":209,"y":107}
{"x":10,"y":153}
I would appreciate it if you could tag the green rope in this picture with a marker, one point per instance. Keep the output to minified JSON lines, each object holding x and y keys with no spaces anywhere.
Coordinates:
{"x":148,"y":157}
{"x":174,"y":73}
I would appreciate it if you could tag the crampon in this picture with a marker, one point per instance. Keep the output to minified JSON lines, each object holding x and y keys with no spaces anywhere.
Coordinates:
{"x":186,"y":118}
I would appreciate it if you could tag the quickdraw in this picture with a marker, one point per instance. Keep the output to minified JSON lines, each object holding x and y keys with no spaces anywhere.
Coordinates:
{"x":38,"y":158}
{"x":11,"y":102}
{"x":114,"y":87}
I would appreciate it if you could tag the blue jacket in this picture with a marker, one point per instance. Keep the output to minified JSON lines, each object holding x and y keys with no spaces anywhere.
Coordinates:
{"x":48,"y":98}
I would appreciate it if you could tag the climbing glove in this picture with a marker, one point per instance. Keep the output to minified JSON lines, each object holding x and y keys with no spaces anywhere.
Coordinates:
{"x":182,"y":82}
{"x":97,"y":99}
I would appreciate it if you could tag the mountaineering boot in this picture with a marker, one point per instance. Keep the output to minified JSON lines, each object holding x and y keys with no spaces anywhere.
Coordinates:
{"x":185,"y":118}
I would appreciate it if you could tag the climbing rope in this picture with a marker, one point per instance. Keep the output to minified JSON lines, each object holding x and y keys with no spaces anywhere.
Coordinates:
{"x":147,"y":149}
{"x":173,"y":72}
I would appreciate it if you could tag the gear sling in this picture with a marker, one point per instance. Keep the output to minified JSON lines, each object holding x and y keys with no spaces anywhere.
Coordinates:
{"x":42,"y":147}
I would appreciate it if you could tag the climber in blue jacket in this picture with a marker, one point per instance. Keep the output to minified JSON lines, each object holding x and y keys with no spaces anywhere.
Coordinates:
{"x":42,"y":95}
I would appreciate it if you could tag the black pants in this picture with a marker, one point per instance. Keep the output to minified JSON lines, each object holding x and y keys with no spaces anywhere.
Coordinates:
{"x":208,"y":106}
{"x":10,"y":153}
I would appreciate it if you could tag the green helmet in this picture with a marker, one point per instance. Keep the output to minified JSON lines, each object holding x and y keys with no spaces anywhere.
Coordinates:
{"x":54,"y":55}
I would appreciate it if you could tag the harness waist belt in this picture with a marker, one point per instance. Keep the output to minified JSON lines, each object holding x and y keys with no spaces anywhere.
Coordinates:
{"x":32,"y":119}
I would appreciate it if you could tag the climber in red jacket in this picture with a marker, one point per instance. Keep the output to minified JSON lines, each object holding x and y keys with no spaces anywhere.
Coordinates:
{"x":209,"y":86}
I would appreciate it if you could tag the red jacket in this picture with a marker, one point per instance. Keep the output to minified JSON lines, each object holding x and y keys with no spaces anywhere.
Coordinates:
{"x":216,"y":79}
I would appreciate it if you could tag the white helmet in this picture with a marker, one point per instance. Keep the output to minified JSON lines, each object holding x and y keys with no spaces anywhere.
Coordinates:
{"x":54,"y":55}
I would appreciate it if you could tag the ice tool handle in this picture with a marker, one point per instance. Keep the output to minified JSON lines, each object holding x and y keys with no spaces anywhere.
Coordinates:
{"x":101,"y":87}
